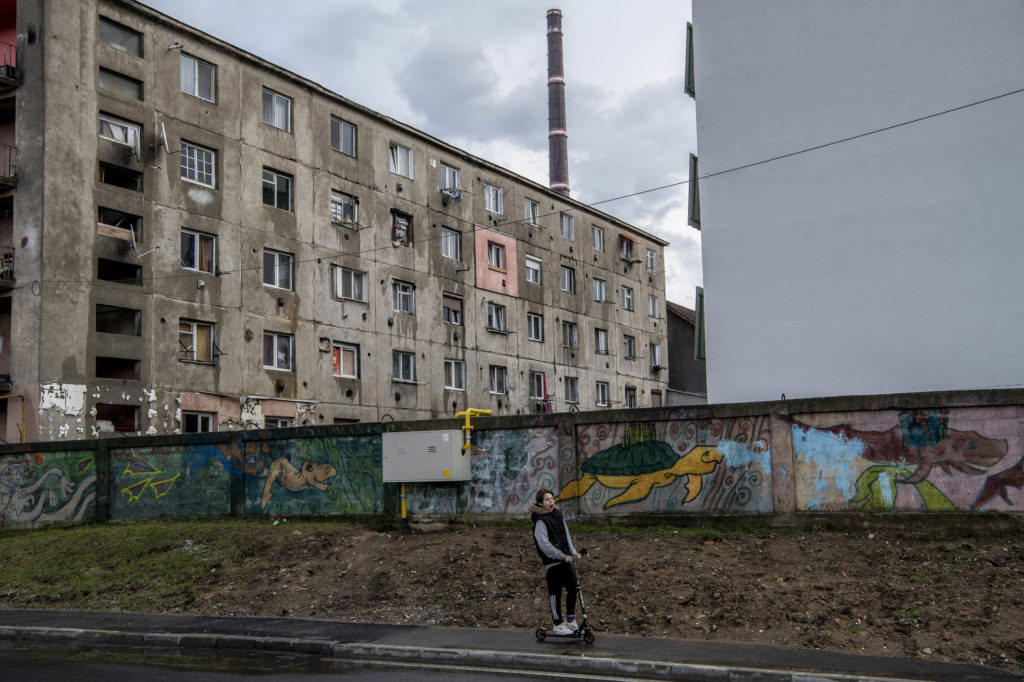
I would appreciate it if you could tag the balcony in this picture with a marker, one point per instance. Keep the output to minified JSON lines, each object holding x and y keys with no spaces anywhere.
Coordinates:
{"x":9,"y":75}
{"x":6,"y":268}
{"x":8,"y":165}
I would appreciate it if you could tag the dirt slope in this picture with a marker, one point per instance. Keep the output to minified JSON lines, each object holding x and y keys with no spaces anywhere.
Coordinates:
{"x":888,"y":593}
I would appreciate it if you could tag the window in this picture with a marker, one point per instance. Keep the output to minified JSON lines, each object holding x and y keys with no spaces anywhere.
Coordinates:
{"x":277,"y":269}
{"x":115,"y":320}
{"x":495,"y":317}
{"x":195,"y":341}
{"x":694,"y":196}
{"x":568,"y":280}
{"x":655,"y":354}
{"x":126,"y":224}
{"x":116,"y":271}
{"x":451,"y":309}
{"x":400,"y":160}
{"x":403,"y":366}
{"x":277,"y":351}
{"x":625,"y":248}
{"x":120,"y":37}
{"x":403,"y":297}
{"x":533,"y":269}
{"x":601,"y":398}
{"x":349,"y":284}
{"x":570,"y":334}
{"x":345,"y":360}
{"x":344,"y":209}
{"x":125,"y":178}
{"x":652,"y":261}
{"x":454,"y":374}
{"x":197,"y":164}
{"x":688,"y":84}
{"x":451,"y":178}
{"x":494,"y":199}
{"x":120,"y":84}
{"x":119,"y":131}
{"x":572,"y":390}
{"x":630,"y":397}
{"x":198,"y":78}
{"x":566,"y":226}
{"x":600,"y":289}
{"x":655,"y":398}
{"x":495,"y":256}
{"x":535,"y":327}
{"x":451,"y":244}
{"x":499,"y":380}
{"x":277,"y":189}
{"x":197,"y":251}
{"x":538,"y":386}
{"x":278,"y":422}
{"x":627,"y":298}
{"x":343,"y":136}
{"x":196,"y":422}
{"x":597,"y":237}
{"x":530,"y":212}
{"x":601,"y":341}
{"x":629,"y":347}
{"x":277,"y":110}
{"x":401,"y":228}
{"x":125,"y":418}
{"x":652,"y":306}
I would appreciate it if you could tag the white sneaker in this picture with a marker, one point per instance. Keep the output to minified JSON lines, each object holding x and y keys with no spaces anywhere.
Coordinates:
{"x":563,"y":629}
{"x":572,"y":624}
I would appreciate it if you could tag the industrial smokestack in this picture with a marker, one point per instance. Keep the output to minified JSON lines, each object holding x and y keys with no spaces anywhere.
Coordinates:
{"x":558,"y":148}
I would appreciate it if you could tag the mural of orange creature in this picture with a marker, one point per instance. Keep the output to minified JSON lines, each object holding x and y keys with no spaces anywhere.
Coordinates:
{"x":311,"y":475}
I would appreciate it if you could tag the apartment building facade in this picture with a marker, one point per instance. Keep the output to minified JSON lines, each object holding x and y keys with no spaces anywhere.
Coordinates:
{"x":204,"y":241}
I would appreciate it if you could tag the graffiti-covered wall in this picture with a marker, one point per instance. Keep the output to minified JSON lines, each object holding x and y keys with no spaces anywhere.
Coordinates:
{"x":875,"y":454}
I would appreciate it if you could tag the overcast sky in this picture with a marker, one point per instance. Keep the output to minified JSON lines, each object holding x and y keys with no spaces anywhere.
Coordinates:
{"x":474,"y":74}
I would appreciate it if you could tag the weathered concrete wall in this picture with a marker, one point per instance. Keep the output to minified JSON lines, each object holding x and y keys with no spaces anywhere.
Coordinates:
{"x":932,"y":452}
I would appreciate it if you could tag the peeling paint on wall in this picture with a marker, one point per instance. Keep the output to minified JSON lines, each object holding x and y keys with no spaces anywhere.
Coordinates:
{"x":67,"y":399}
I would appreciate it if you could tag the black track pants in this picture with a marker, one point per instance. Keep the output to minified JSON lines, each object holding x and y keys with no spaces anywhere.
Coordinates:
{"x":559,"y":577}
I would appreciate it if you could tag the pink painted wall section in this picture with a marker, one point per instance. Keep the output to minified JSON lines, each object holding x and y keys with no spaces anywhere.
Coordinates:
{"x":8,"y":30}
{"x":502,"y":282}
{"x":225,"y":408}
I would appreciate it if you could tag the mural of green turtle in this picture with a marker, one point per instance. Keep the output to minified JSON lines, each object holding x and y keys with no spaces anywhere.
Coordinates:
{"x":641,"y":466}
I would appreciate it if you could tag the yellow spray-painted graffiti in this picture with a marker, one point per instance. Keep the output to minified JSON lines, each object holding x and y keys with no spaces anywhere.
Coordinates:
{"x":140,"y":467}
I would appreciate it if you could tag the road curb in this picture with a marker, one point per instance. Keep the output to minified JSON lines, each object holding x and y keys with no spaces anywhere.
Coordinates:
{"x":427,"y":656}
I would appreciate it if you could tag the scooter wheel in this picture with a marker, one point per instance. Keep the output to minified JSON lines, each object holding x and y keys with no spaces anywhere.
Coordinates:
{"x":541,"y":634}
{"x":588,"y":637}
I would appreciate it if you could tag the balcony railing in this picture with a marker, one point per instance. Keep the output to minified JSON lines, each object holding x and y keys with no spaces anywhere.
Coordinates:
{"x":9,"y":75}
{"x":8,"y":165}
{"x":6,"y":267}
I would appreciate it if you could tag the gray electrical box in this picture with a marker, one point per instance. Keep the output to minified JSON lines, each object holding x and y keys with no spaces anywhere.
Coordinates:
{"x":425,"y":456}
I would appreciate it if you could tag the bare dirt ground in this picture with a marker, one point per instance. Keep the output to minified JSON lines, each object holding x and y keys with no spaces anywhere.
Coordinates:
{"x":958,"y":598}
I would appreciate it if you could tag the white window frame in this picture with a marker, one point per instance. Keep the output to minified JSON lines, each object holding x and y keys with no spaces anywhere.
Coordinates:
{"x":454,"y":374}
{"x":630,"y":397}
{"x":498,"y":376}
{"x":278,"y":422}
{"x":451,"y":243}
{"x":339,"y":349}
{"x":449,"y":314}
{"x":401,"y":233}
{"x":652,"y":261}
{"x":568,"y":279}
{"x":451,"y":178}
{"x":403,"y":297}
{"x":602,"y":397}
{"x":282,"y":262}
{"x":531,"y":211}
{"x":339,"y":203}
{"x":627,"y":298}
{"x":197,"y":239}
{"x":494,"y":199}
{"x":570,"y":334}
{"x":271,"y":178}
{"x":203,"y":419}
{"x":538,"y":385}
{"x":341,"y":125}
{"x":567,"y":226}
{"x":190,"y":67}
{"x":496,"y":320}
{"x":348,"y":278}
{"x":629,"y":347}
{"x":276,"y":338}
{"x":496,"y":256}
{"x":600,"y":341}
{"x":189,"y":352}
{"x":120,"y":131}
{"x":600,"y":287}
{"x":572,"y":390}
{"x":597,"y":237}
{"x":272,"y":115}
{"x":625,"y":248}
{"x":400,"y":160}
{"x":654,"y":351}
{"x":403,"y":366}
{"x":652,"y":306}
{"x":120,"y":37}
{"x":198,"y":164}
{"x":534,"y":272}
{"x":535,"y":327}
